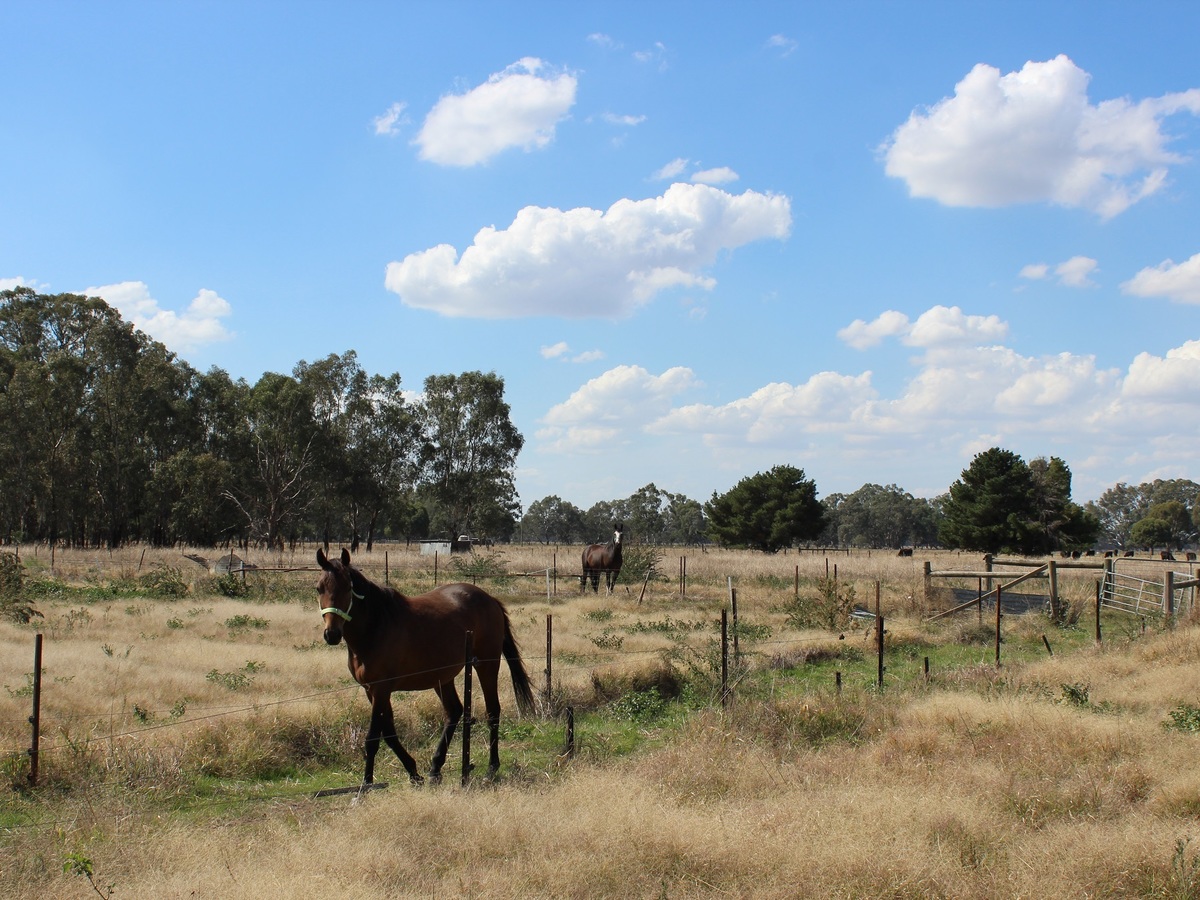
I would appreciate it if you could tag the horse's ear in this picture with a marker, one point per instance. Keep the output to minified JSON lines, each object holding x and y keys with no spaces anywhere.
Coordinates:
{"x":345,"y":557}
{"x":322,"y":560}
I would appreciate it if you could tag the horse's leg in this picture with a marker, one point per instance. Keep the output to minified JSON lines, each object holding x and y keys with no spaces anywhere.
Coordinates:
{"x":453,"y":708}
{"x":489,"y":677}
{"x":383,"y":724}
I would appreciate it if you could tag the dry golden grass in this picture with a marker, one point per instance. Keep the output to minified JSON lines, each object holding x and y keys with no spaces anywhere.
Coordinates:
{"x":988,"y":783}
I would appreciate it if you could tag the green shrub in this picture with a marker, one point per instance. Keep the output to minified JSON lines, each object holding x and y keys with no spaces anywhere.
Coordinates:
{"x":231,"y":585}
{"x":829,"y":607}
{"x":1185,"y":717}
{"x":13,"y":604}
{"x":164,"y":581}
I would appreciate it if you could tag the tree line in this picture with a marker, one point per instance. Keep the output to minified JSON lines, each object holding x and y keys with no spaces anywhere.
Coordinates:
{"x":1000,"y":503}
{"x":109,"y":438}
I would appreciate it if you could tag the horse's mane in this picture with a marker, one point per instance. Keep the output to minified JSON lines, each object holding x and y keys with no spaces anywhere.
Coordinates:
{"x":382,"y":598}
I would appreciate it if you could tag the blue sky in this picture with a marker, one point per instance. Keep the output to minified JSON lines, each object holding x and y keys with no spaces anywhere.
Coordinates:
{"x":697,"y":240}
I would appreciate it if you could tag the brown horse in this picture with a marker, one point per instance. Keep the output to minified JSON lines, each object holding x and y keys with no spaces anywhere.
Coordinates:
{"x":398,"y":643}
{"x":606,"y":558}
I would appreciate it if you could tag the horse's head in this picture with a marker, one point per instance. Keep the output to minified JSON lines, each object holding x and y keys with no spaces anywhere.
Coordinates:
{"x":618,"y":530}
{"x":336,"y":594}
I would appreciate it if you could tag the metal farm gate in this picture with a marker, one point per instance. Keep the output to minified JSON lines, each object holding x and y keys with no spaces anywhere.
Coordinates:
{"x":1144,"y":593}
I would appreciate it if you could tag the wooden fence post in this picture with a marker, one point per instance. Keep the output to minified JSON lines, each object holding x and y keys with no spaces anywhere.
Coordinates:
{"x":999,"y":591}
{"x":466,"y":718}
{"x":879,"y":642}
{"x":724,"y":656}
{"x":1169,"y":596}
{"x":35,"y":720}
{"x":733,"y":606}
{"x":549,"y":645}
{"x":1052,"y":579}
{"x":1098,"y":595}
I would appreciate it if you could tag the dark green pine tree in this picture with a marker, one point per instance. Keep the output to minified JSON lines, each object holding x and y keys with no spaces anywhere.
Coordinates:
{"x":992,"y":506}
{"x":767,"y":511}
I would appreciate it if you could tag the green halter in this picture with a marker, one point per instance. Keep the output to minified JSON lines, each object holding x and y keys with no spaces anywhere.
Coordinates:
{"x":345,"y":614}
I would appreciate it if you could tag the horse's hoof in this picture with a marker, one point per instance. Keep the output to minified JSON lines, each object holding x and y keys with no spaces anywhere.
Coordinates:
{"x":435,"y":777}
{"x":416,"y":779}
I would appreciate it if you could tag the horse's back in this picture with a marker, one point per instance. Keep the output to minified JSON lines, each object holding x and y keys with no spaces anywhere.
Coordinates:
{"x":459,"y":608}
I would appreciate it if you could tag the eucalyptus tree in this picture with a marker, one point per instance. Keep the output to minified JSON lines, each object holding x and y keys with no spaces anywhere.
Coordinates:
{"x":646,"y":515}
{"x":685,"y":520}
{"x":44,"y":395}
{"x":600,"y":517}
{"x":1122,"y":506}
{"x":382,"y":451}
{"x":552,"y":520}
{"x":275,"y":494}
{"x":469,"y":451}
{"x":93,"y":406}
{"x":878,"y":516}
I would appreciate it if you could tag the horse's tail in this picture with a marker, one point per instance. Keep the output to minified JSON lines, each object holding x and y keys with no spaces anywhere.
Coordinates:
{"x":516,"y":666}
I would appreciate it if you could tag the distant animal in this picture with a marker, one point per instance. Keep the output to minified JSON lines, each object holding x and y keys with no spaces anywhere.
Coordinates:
{"x":603,"y":559}
{"x":1190,"y":555}
{"x":905,"y":551}
{"x":399,"y":643}
{"x":1167,"y":555}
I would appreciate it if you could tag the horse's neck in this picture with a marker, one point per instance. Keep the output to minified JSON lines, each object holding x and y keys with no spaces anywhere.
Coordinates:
{"x":374,"y":606}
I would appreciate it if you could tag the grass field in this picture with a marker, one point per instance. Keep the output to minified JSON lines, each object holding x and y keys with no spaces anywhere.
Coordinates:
{"x":188,"y":716}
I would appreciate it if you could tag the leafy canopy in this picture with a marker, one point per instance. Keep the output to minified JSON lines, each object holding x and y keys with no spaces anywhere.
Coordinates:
{"x":767,"y":511}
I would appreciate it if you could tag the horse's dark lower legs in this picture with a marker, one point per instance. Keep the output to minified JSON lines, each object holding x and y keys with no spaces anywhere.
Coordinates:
{"x":453,"y":707}
{"x":493,"y":742}
{"x":488,"y":685}
{"x":383,"y":725}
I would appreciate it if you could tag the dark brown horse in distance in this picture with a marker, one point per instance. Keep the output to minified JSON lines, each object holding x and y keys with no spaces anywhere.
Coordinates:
{"x":603,"y":558}
{"x":399,"y":643}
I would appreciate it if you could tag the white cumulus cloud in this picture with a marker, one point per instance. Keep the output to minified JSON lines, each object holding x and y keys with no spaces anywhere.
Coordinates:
{"x":1076,"y":271}
{"x":11,"y":284}
{"x":938,"y":326}
{"x":621,"y":401}
{"x":1172,"y":378}
{"x":515,"y":108}
{"x":1180,"y":283}
{"x":198,"y":324}
{"x":585,"y":262}
{"x":1033,"y":136}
